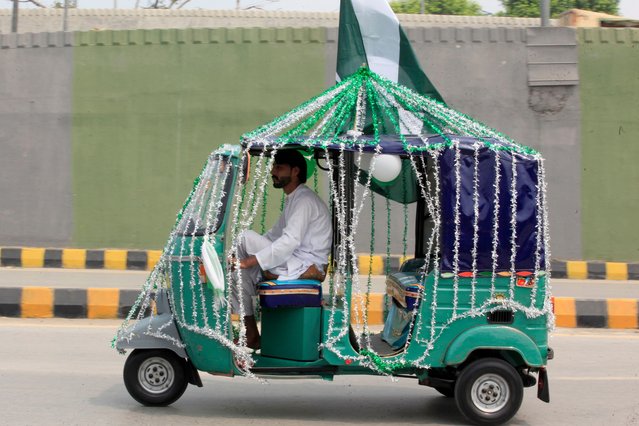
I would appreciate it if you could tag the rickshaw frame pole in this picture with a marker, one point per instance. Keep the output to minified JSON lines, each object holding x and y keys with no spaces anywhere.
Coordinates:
{"x":420,"y":219}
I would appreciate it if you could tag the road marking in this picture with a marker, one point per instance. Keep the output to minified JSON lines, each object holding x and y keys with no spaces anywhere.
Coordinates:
{"x":598,"y":379}
{"x":25,"y":323}
{"x":598,"y":336}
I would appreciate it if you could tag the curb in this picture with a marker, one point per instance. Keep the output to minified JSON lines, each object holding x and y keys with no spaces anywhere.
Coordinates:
{"x":113,"y":303}
{"x":46,"y":302}
{"x":144,"y":260}
{"x":570,"y":269}
{"x":594,"y":270}
{"x":36,"y":257}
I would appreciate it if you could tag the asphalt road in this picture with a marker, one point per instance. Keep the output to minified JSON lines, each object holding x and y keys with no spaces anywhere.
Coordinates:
{"x":85,"y":278}
{"x":57,"y":372}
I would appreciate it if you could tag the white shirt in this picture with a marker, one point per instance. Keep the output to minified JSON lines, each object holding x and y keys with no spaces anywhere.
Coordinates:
{"x":301,"y":237}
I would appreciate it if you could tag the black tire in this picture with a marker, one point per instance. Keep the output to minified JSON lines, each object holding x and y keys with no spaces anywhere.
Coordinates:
{"x":155,"y":377}
{"x":447,"y":392}
{"x":489,"y":391}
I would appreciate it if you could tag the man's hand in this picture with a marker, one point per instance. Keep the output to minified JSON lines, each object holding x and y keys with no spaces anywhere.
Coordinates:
{"x":247,"y":262}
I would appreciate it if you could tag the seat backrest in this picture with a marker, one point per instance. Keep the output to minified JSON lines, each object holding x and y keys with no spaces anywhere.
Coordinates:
{"x":412,"y":265}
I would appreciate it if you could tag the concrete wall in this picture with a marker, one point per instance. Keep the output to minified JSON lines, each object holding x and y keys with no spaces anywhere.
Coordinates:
{"x":124,"y":119}
{"x":609,"y":66}
{"x":147,"y":108}
{"x":35,"y":135}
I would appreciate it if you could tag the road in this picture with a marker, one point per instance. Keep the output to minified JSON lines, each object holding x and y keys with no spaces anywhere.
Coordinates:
{"x":57,"y":372}
{"x":84,"y":278}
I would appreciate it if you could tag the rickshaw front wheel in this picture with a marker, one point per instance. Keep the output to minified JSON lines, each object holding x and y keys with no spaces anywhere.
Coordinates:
{"x":489,"y":391}
{"x":155,"y":377}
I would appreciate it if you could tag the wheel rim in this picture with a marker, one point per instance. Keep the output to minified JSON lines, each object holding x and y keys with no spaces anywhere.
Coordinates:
{"x":156,"y":375}
{"x":490,"y":393}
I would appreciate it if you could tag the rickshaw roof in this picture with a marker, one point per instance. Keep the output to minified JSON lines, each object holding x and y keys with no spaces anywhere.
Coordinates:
{"x":402,"y":145}
{"x":366,"y":111}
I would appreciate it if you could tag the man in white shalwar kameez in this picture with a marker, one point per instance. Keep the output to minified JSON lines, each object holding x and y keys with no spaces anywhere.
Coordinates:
{"x":297,"y":246}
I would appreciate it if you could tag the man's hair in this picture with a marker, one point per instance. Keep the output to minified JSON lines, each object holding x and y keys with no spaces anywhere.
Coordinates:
{"x":293,"y":158}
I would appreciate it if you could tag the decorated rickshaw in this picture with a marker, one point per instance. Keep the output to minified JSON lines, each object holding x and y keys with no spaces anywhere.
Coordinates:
{"x":468,"y":311}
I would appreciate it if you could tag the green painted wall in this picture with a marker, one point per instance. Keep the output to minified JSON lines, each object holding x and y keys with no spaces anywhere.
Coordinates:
{"x":148,"y":107}
{"x":609,"y":79}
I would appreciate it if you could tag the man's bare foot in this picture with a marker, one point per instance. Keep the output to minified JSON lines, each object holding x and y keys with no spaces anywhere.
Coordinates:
{"x":252,"y":333}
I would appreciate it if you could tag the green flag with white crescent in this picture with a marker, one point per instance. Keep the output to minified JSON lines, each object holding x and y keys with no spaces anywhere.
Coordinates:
{"x":369,"y":33}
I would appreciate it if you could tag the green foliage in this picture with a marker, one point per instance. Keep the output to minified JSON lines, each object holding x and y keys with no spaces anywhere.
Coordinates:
{"x":530,"y":8}
{"x":438,"y":7}
{"x":165,"y":4}
{"x":71,"y":4}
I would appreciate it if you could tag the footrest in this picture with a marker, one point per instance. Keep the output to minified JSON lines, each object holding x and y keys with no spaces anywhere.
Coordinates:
{"x":290,"y":294}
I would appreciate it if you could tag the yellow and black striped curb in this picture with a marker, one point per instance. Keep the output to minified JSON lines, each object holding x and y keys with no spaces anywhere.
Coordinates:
{"x":593,"y":270}
{"x":571,"y":269}
{"x":112,"y":303}
{"x":35,"y":257}
{"x":47,"y":302}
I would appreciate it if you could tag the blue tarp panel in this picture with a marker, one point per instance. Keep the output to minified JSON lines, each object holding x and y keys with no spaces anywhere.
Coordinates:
{"x":527,"y":209}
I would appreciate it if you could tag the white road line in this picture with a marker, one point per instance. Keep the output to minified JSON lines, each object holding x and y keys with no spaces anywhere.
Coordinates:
{"x":596,"y":379}
{"x":599,"y":336}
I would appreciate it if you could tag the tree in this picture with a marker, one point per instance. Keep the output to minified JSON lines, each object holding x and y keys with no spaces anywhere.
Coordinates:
{"x":58,"y":4}
{"x":164,"y":4}
{"x":71,"y":4}
{"x":530,"y":8}
{"x":438,"y":7}
{"x":34,"y":2}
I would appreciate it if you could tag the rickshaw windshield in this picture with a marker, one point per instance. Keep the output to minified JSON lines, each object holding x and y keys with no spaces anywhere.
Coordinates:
{"x":205,"y":212}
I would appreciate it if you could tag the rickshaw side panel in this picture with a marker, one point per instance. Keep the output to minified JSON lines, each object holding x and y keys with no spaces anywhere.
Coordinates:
{"x":456,"y":338}
{"x":193,"y":305}
{"x":493,"y":338}
{"x":207,"y":354}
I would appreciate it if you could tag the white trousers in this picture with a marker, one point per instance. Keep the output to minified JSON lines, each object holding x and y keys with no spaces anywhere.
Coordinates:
{"x":250,"y":243}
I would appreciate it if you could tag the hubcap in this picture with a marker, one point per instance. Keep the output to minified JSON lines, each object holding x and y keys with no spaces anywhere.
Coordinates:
{"x":156,"y":375}
{"x":490,"y":393}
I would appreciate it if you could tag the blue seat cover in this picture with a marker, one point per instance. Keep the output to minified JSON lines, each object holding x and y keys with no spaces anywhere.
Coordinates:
{"x":290,"y":293}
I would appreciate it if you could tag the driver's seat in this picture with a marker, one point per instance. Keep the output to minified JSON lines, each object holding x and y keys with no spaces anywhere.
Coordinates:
{"x":291,"y":318}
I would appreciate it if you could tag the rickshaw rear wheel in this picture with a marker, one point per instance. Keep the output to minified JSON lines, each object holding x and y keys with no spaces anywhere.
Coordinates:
{"x":489,"y":391}
{"x":155,"y":377}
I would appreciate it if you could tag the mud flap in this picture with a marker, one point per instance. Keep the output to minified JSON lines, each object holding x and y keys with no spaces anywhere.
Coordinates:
{"x":193,"y":375}
{"x":543,"y":392}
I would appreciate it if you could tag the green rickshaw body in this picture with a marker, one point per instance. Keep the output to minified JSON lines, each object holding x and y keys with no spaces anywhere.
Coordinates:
{"x":194,"y":306}
{"x":459,"y":331}
{"x":525,"y":340}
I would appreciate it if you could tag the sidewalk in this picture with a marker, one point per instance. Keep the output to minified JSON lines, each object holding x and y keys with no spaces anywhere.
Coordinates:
{"x":109,"y":294}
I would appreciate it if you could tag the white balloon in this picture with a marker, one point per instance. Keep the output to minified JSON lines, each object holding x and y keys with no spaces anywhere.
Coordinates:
{"x":387,"y":168}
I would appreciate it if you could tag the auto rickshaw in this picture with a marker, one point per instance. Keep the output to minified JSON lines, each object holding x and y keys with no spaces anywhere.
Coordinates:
{"x":469,"y":314}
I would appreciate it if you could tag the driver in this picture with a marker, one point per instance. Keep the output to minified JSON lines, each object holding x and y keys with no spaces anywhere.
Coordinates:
{"x":297,"y":246}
